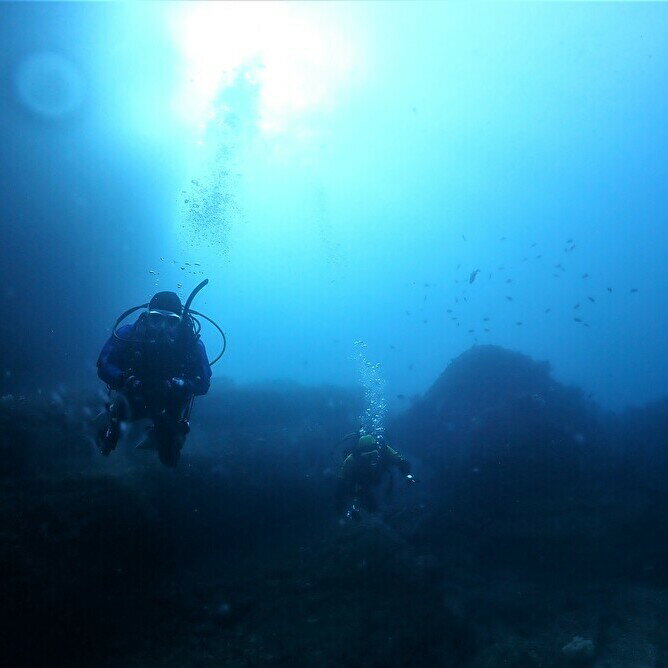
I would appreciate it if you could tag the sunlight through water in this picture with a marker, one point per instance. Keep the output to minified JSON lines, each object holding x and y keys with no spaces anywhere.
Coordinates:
{"x":251,"y":73}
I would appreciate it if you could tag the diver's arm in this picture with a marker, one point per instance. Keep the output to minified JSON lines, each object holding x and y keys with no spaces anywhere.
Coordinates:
{"x":198,"y":375}
{"x":110,"y":363}
{"x":397,"y":460}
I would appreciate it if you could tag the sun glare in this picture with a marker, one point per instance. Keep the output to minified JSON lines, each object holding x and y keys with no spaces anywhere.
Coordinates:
{"x":300,"y":60}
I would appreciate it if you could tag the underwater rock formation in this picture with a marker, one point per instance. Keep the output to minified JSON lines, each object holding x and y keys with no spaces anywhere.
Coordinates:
{"x":498,"y":432}
{"x":538,"y":518}
{"x":523,"y":470}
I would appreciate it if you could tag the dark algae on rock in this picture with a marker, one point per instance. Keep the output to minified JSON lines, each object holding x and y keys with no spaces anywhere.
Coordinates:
{"x":539,"y":519}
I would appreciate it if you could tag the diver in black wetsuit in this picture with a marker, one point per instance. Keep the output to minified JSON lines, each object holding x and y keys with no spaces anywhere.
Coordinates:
{"x":154,"y":368}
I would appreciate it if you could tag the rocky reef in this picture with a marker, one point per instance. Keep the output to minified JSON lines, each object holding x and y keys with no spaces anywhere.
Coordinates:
{"x":536,"y":536}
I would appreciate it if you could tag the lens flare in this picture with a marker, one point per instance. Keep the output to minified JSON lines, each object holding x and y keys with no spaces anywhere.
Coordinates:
{"x":49,"y":85}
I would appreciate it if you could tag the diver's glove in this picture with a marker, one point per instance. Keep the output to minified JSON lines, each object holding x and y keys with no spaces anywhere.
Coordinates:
{"x":132,"y":385}
{"x":178,"y":386}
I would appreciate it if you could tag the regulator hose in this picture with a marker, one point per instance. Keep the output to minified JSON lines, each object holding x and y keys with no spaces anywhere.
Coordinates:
{"x":185,"y":318}
{"x":222,"y":333}
{"x":193,"y":294}
{"x":122,"y":317}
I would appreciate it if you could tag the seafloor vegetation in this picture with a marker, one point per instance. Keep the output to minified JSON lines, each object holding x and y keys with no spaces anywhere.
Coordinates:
{"x":538,"y":535}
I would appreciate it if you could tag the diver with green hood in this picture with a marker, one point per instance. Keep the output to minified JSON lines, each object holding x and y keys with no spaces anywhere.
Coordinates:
{"x":154,"y":368}
{"x":364,"y":467}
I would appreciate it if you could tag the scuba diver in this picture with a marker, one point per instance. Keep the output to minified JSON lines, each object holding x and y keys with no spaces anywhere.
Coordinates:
{"x":154,"y":368}
{"x":365,"y":465}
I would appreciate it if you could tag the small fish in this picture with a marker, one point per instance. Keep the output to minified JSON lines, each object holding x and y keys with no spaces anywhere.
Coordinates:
{"x":407,"y":312}
{"x":509,"y":280}
{"x":558,"y":266}
{"x":485,"y":319}
{"x":401,"y":396}
{"x":448,"y":310}
{"x":471,"y":331}
{"x":524,"y":259}
{"x":592,"y":300}
{"x":609,"y":289}
{"x":425,"y":285}
{"x":424,"y":322}
{"x":538,"y":257}
{"x":634,"y":289}
{"x":519,"y":322}
{"x":572,"y":247}
{"x":533,"y":245}
{"x":487,"y":330}
{"x":473,"y":275}
{"x":555,"y":275}
{"x":569,"y":241}
{"x":585,"y":275}
{"x":577,"y":319}
{"x":456,"y":300}
{"x":547,"y":310}
{"x":502,"y":239}
{"x":459,"y":265}
{"x":509,"y":298}
{"x":463,"y":237}
{"x":392,"y":347}
{"x":577,"y":306}
{"x":489,"y":277}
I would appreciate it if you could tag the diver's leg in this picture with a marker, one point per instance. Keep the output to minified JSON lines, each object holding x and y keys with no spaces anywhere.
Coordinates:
{"x":171,"y":427}
{"x":343,"y":494}
{"x":347,"y":500}
{"x":389,"y":490}
{"x":108,"y":434}
{"x":367,"y":499}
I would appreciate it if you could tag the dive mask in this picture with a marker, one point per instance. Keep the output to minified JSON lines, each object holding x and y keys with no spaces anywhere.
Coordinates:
{"x":160,"y":320}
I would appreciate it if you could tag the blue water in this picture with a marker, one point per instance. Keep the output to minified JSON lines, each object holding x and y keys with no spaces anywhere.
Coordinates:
{"x":337,"y":171}
{"x":406,"y":212}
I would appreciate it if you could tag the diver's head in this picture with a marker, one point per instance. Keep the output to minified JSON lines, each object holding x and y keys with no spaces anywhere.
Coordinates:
{"x":166,"y":301}
{"x":366,"y":443}
{"x":163,"y":317}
